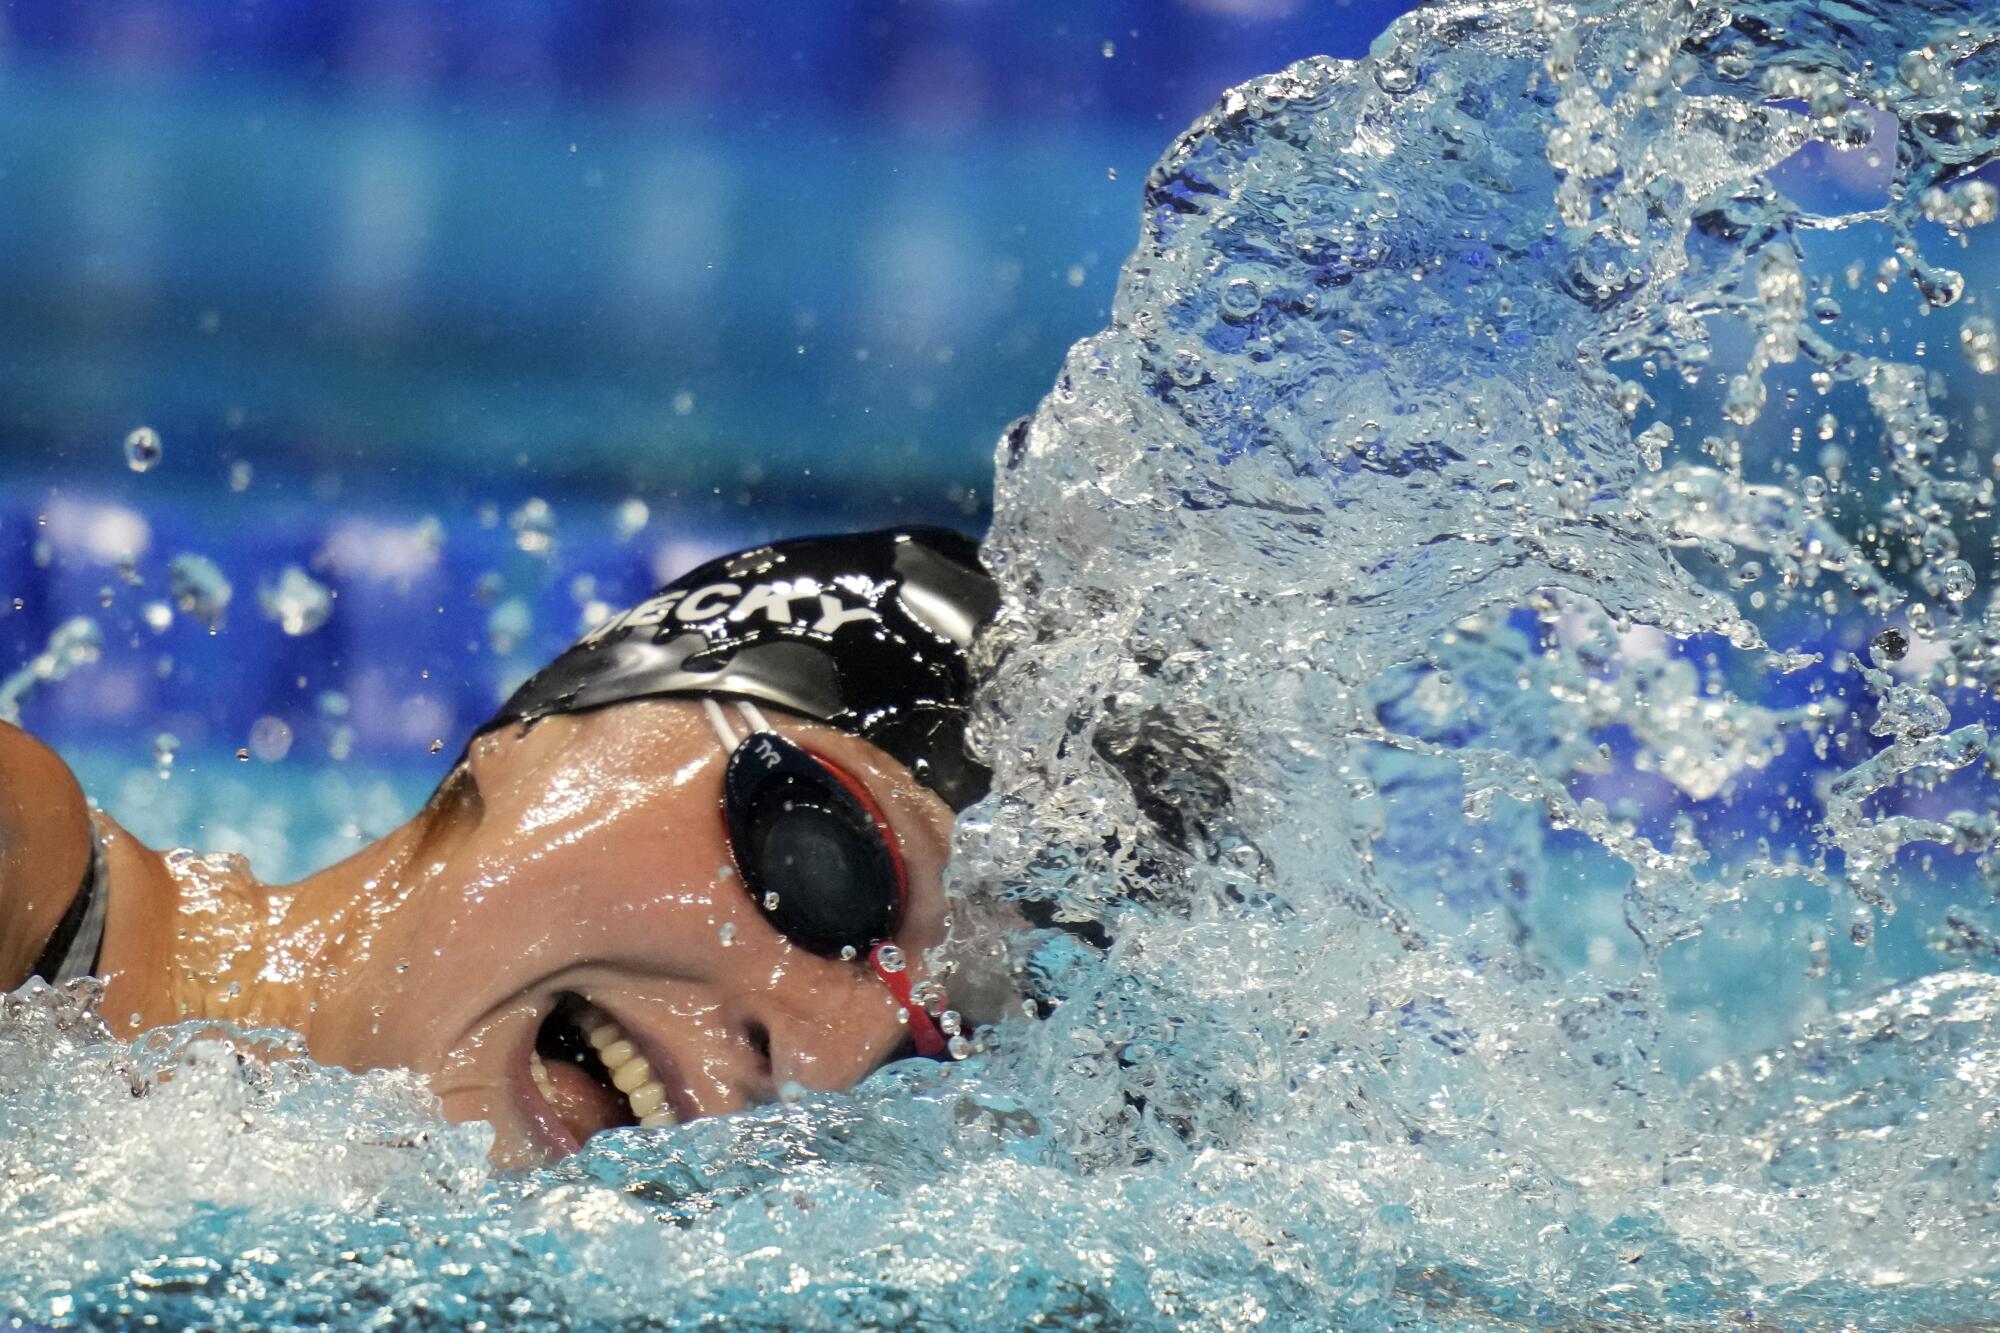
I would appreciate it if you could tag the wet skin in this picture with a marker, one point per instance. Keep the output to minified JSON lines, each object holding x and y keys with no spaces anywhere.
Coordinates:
{"x":586,"y":858}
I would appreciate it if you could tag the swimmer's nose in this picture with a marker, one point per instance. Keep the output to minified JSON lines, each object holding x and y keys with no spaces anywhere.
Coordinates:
{"x":823,"y":1055}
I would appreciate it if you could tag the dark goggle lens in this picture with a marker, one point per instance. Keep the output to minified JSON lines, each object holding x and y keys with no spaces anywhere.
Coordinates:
{"x":811,"y":855}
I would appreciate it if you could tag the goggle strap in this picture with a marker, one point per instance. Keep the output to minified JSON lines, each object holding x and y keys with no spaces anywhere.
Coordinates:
{"x":721,"y":725}
{"x":752,"y":718}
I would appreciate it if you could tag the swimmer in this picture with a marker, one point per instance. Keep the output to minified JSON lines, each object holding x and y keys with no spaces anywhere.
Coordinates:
{"x":694,"y":860}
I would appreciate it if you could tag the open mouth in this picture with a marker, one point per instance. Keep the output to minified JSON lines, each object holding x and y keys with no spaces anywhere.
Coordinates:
{"x":592,"y":1074}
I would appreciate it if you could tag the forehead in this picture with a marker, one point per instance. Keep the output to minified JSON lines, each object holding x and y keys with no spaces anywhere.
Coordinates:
{"x":650,"y":752}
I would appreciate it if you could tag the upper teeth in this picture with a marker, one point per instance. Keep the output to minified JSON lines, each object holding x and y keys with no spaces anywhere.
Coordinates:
{"x":630,"y":1073}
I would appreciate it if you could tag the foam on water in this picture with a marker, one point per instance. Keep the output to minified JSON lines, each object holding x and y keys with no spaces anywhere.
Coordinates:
{"x":1497,"y":639}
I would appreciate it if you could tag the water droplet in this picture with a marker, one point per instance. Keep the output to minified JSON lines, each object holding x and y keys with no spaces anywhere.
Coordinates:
{"x":298,"y":603}
{"x":1921,"y":72}
{"x":1979,"y":339}
{"x":770,"y":902}
{"x":727,"y":934}
{"x":632,"y":515}
{"x":164,"y":747}
{"x":243,"y":755}
{"x":199,"y":589}
{"x":889,"y":958}
{"x":143,"y":449}
{"x":1744,"y":402}
{"x":1955,"y":579}
{"x":1241,"y":299}
{"x":958,"y":1048}
{"x":1394,"y":74}
{"x":1889,"y":646}
{"x":1110,"y":49}
{"x":437,"y":745}
{"x":534,"y":527}
{"x":270,"y":739}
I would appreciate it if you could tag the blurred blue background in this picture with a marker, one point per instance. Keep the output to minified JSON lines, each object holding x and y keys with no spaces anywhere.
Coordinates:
{"x":486,"y":317}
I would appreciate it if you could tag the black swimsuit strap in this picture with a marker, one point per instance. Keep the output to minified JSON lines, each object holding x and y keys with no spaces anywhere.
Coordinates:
{"x":85,"y":912}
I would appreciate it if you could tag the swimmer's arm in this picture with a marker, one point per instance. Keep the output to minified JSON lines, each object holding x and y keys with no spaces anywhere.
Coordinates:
{"x":44,"y":847}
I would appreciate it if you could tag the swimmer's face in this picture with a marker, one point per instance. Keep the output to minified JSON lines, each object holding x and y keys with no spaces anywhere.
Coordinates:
{"x":577,"y":895}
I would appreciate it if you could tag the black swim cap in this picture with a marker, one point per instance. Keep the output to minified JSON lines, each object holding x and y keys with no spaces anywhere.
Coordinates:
{"x":867,"y":632}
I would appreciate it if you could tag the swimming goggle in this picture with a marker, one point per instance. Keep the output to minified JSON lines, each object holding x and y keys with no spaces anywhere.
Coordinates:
{"x":819,"y":860}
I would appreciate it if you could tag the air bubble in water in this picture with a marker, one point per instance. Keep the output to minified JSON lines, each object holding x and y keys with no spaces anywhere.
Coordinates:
{"x":143,"y":449}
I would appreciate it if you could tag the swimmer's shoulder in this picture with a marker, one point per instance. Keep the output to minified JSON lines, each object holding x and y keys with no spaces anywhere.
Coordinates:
{"x":45,"y":848}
